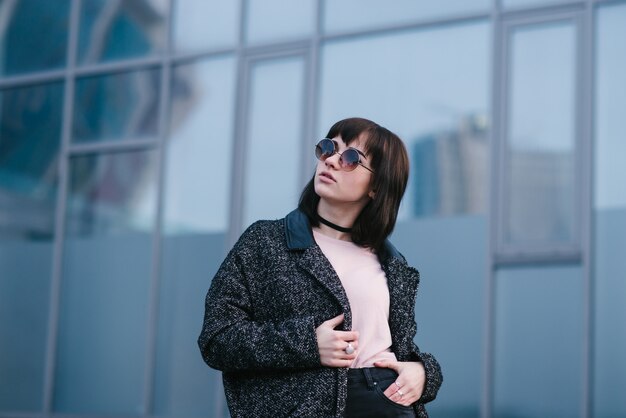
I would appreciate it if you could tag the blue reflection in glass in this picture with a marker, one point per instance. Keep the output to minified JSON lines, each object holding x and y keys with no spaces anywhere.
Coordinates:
{"x":30,"y":137}
{"x":609,"y":363}
{"x":274,"y":134}
{"x":279,"y":20}
{"x":205,"y":24}
{"x":610,"y":149}
{"x":540,"y":189}
{"x":33,"y":35}
{"x":114,"y":30}
{"x":196,"y":214}
{"x":117,"y":106}
{"x":199,"y":147}
{"x":539,"y":342}
{"x":106,"y":284}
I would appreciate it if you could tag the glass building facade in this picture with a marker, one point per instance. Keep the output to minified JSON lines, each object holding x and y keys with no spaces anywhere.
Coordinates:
{"x":138,"y":138}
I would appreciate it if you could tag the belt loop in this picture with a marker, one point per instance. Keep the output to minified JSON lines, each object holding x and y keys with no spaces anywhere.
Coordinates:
{"x":368,"y":377}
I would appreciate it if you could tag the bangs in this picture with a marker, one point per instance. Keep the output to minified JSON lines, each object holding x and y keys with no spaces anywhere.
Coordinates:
{"x":373,"y":135}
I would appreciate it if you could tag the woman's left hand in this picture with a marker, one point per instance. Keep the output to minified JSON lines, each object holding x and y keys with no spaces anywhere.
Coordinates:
{"x":410,"y":383}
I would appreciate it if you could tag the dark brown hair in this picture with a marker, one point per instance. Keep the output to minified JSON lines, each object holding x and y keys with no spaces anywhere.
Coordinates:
{"x":389,"y":160}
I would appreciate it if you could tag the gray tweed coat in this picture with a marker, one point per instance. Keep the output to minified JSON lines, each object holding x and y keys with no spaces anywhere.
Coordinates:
{"x":271,"y":292}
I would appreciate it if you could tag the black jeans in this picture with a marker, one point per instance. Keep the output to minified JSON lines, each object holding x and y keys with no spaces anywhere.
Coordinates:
{"x":366,"y":397}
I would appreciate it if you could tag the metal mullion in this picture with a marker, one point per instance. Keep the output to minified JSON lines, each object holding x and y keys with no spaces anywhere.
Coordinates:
{"x":111,"y":146}
{"x":62,"y":192}
{"x":237,"y":166}
{"x":277,"y":49}
{"x":531,"y":17}
{"x":608,"y":2}
{"x":543,"y":8}
{"x":157,"y":247}
{"x":506,"y":260}
{"x":502,"y":202}
{"x":305,"y":110}
{"x":497,"y":61}
{"x":587,"y":62}
{"x":118,"y":66}
{"x":412,"y":25}
{"x":183,"y":58}
{"x":312,"y":95}
{"x":257,"y":55}
{"x":35,"y":78}
{"x":239,"y":134}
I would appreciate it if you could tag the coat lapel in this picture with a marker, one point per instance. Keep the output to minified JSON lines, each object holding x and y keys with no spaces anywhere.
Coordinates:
{"x":401,"y":281}
{"x":317,"y":265}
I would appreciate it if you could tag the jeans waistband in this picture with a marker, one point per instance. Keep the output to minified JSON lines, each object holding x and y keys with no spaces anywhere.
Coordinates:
{"x":370,"y":375}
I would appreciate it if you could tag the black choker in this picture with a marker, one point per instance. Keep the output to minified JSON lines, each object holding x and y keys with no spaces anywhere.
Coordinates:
{"x":332,"y":225}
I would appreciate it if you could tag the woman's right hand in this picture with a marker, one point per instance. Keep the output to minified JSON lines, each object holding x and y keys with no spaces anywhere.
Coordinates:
{"x":332,"y":343}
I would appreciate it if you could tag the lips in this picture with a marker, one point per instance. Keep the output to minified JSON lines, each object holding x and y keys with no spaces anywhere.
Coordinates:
{"x":327,"y":175}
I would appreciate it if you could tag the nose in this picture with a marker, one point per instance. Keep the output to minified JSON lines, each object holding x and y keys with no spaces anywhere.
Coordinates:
{"x":333,"y":161}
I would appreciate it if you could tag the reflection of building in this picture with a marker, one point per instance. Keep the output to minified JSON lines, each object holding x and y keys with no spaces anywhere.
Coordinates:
{"x":541,"y":196}
{"x":449,"y":171}
{"x":30,"y":123}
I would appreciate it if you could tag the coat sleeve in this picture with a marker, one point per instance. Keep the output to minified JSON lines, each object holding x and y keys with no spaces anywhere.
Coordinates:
{"x":434,"y":377}
{"x":231,"y":340}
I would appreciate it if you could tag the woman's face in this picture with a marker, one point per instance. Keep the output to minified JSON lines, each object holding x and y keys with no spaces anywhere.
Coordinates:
{"x":339,"y":187}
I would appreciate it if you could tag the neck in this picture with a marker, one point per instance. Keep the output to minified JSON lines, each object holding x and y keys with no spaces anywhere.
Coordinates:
{"x":332,"y":225}
{"x":341,"y":216}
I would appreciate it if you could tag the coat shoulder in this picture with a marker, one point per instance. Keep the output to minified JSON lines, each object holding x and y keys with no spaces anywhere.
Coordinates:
{"x":262,"y":235}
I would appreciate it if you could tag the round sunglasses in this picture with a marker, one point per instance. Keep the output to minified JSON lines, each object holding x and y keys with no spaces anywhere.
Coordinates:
{"x":348,"y":160}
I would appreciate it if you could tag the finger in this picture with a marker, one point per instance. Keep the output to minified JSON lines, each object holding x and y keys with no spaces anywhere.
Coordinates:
{"x":392,"y":390}
{"x":341,"y":363}
{"x":398,"y":386}
{"x":334,"y":322}
{"x":394,"y":387}
{"x":389,"y":364}
{"x":401,"y":397}
{"x":347,"y":335}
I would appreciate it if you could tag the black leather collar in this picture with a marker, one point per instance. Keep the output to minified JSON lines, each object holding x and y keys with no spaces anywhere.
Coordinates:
{"x":300,"y":237}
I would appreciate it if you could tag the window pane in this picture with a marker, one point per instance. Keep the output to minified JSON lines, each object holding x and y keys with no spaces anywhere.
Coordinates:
{"x":25,"y":49}
{"x":541,"y":136}
{"x":30,"y":136}
{"x":200,"y":147}
{"x":297,"y":19}
{"x":114,"y":30}
{"x":346,"y":15}
{"x":610,"y":214}
{"x":196,"y":215}
{"x":610,"y":149}
{"x":274,"y":135}
{"x":117,"y":107}
{"x":205,"y":24}
{"x":414,"y":87}
{"x":457,"y":291}
{"x":105,"y":285}
{"x":539,"y":342}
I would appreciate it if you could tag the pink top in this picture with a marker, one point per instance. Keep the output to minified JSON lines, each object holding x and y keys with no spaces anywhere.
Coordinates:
{"x":365,"y":284}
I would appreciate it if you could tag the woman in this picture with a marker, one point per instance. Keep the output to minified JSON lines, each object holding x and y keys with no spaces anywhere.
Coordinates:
{"x":313,"y":315}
